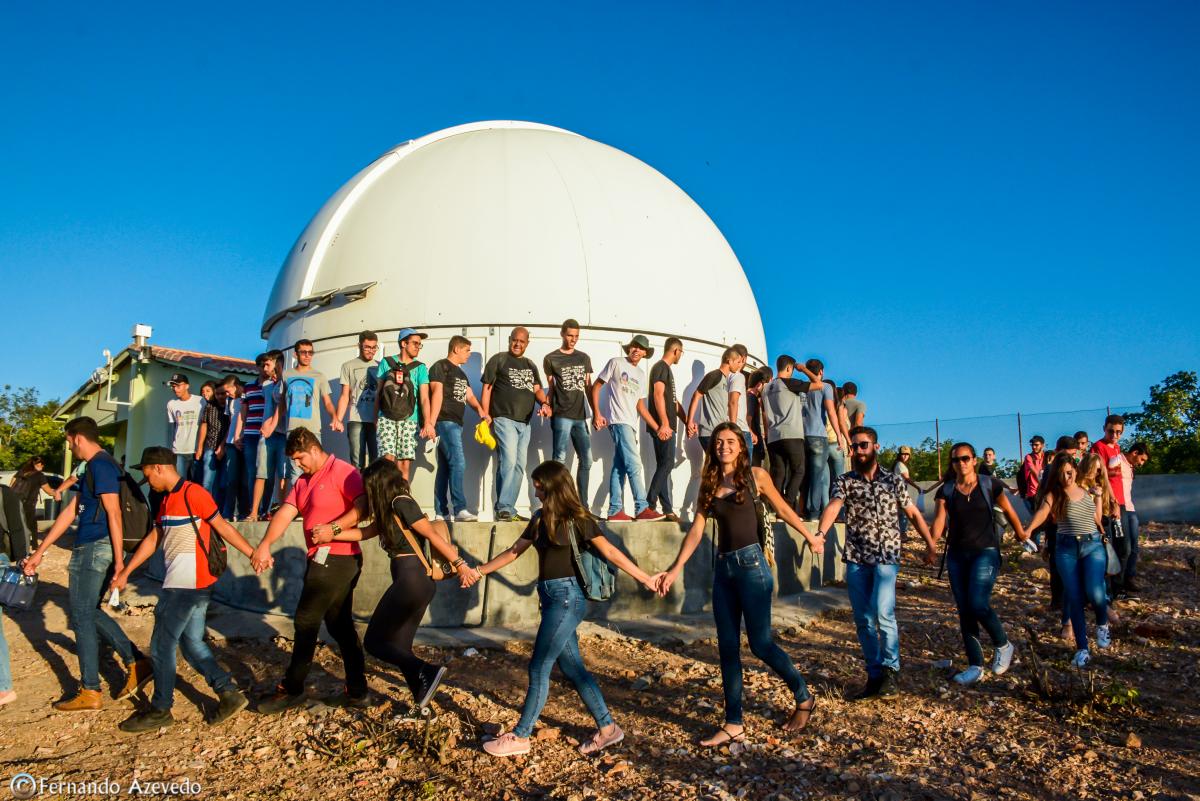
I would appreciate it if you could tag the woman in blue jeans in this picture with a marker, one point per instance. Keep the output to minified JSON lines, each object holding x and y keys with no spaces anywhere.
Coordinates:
{"x":563,"y":606}
{"x":742,"y":582}
{"x":973,"y":556}
{"x":1079,"y":552}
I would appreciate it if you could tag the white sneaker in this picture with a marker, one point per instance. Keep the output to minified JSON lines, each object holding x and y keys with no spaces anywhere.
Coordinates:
{"x":1081,"y":659}
{"x":1003,"y":658}
{"x":464,"y":516}
{"x":1103,"y":636}
{"x":969,"y":676}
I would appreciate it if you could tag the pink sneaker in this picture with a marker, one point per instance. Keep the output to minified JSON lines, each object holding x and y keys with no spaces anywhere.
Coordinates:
{"x":600,"y":741}
{"x":649,"y":515}
{"x":507,"y":744}
{"x":8,"y":697}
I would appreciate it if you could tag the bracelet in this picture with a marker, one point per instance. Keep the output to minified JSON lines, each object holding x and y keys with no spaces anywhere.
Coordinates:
{"x":457,"y":562}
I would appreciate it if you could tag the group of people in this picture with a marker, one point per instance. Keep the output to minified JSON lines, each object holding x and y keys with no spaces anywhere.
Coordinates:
{"x":230,"y":437}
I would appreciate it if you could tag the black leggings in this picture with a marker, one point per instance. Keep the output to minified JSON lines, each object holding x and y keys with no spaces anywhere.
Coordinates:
{"x":395,"y":620}
{"x":787,"y":468}
{"x":328,"y":595}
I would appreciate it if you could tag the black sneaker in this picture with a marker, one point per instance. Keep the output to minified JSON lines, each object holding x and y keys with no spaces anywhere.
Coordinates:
{"x":430,"y":679}
{"x":1131,"y":586}
{"x":233,"y":701}
{"x":888,"y":688}
{"x":869,"y":690}
{"x":504,"y":517}
{"x":279,"y":701}
{"x":346,"y":700}
{"x":150,"y":720}
{"x":517,"y":518}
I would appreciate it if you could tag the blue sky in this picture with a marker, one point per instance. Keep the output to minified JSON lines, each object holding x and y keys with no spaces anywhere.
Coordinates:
{"x":968,"y":208}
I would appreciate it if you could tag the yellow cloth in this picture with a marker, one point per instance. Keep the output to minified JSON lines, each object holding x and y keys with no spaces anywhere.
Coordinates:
{"x":483,"y":435}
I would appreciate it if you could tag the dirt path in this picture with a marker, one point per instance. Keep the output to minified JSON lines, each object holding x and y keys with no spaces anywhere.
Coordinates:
{"x":1126,"y":729}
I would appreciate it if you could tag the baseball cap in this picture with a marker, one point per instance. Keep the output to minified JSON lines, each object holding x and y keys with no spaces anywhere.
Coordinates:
{"x":905,"y":449}
{"x":178,"y":378}
{"x":155,"y":454}
{"x":405,"y":333}
{"x":1037,"y":438}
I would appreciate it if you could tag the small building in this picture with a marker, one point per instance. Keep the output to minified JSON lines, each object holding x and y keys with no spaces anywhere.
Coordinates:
{"x":127,"y":397}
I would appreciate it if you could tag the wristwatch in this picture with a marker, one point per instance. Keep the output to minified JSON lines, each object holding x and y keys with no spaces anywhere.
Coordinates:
{"x":336,"y":529}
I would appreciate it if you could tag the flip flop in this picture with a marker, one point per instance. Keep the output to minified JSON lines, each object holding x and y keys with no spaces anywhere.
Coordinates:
{"x":801,"y":715}
{"x":730,"y":737}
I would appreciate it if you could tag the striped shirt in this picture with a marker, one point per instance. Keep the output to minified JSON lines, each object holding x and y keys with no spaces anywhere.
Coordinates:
{"x":252,"y":404}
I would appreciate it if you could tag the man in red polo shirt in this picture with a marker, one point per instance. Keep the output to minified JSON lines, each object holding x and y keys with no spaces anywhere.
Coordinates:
{"x":329,"y":496}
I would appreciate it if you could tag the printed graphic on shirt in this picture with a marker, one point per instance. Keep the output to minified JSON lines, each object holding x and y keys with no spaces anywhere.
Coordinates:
{"x":573,"y":377}
{"x":520,"y":378}
{"x":300,"y":391}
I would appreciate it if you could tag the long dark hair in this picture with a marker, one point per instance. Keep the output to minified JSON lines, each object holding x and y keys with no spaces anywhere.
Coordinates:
{"x":711,"y":474}
{"x":28,"y":467}
{"x":1057,"y":485}
{"x":384,"y":482}
{"x":560,"y":503}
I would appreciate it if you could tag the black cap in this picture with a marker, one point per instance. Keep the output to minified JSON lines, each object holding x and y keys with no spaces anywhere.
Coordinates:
{"x":178,"y":378}
{"x":1065,"y":443}
{"x":1036,"y":438}
{"x":155,"y":454}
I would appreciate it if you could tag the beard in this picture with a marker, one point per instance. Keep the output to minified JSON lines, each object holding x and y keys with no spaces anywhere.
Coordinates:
{"x":863,"y":462}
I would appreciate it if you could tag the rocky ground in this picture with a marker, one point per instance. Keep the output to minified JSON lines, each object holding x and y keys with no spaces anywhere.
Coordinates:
{"x":1127,"y":728}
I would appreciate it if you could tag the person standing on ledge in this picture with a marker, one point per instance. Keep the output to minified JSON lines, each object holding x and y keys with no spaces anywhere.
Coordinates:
{"x":666,"y":410}
{"x":568,"y":376}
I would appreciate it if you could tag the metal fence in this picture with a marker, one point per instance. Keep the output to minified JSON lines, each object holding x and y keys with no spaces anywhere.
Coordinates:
{"x":1008,"y":434}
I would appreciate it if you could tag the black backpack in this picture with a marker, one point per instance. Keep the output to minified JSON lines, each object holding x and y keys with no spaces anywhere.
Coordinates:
{"x":398,"y":399}
{"x":14,"y":538}
{"x":135,"y":511}
{"x":216,"y":554}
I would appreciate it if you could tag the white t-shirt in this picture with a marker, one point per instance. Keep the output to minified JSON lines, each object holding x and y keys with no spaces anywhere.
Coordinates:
{"x":737,"y":383}
{"x":183,"y":416}
{"x":1127,"y":482}
{"x":624,"y":386}
{"x":233,"y":408}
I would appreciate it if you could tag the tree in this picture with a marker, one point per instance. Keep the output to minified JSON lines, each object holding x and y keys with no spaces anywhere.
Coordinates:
{"x":28,"y":428}
{"x":1169,"y":423}
{"x":923,"y":466}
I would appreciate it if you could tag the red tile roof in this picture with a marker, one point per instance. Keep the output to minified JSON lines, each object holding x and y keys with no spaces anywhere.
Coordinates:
{"x":203,"y":361}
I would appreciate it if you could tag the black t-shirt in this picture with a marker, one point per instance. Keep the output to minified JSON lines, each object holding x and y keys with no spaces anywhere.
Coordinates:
{"x":513,"y":379}
{"x":661,"y":371}
{"x":29,"y":487}
{"x":570,"y":372}
{"x":972,"y":528}
{"x":985,"y":469}
{"x":554,"y":558}
{"x":454,"y":390}
{"x":391,"y":538}
{"x":214,"y":435}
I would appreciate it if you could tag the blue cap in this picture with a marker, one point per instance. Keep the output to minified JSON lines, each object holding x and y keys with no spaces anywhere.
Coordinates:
{"x":405,"y":333}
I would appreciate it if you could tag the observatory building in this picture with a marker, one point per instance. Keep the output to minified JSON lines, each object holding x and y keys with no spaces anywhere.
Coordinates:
{"x":479,"y":228}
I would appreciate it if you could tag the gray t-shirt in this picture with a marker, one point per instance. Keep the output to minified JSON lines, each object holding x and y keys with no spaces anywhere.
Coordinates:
{"x":714,"y":402}
{"x":814,"y":410}
{"x":737,"y":383}
{"x":854,"y":406}
{"x":270,"y":393}
{"x":361,"y":377}
{"x":783,"y":407}
{"x":183,"y":418}
{"x":304,"y":392}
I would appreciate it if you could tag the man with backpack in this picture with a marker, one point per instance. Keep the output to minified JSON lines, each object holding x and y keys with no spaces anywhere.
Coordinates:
{"x":192,"y":534}
{"x":110,"y":508}
{"x":403,"y":402}
{"x":14,"y":545}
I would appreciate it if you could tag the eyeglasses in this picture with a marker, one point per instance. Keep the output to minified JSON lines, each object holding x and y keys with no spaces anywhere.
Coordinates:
{"x":963,"y":459}
{"x":864,"y":445}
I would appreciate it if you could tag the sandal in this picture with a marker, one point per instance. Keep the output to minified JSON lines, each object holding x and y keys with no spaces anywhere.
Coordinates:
{"x":800,"y":717}
{"x":730,"y":737}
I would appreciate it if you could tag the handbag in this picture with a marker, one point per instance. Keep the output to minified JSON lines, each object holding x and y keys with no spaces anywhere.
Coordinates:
{"x":766,"y":531}
{"x":436,"y":569}
{"x":1113,"y":565}
{"x":17,"y":589}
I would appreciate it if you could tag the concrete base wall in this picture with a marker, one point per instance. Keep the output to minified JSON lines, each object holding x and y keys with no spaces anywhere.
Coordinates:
{"x":509,"y":597}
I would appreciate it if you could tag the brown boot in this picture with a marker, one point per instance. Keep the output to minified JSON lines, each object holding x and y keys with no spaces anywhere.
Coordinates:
{"x":85,"y":700}
{"x":141,"y":673}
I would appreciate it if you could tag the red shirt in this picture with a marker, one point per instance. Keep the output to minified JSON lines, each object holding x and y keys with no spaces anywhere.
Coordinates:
{"x":187,"y":566}
{"x":1111,"y":456}
{"x":325,"y":496}
{"x":1033,"y":473}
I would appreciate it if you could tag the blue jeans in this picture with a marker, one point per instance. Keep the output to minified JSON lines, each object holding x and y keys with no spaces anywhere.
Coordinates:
{"x":1081,"y":565}
{"x":872,"y":590}
{"x":451,"y":466}
{"x":972,"y":577}
{"x":625,"y":463}
{"x":1129,"y":522}
{"x":742,"y":587}
{"x":563,"y":609}
{"x":512,"y":447}
{"x":249,"y":469}
{"x":179,"y":619}
{"x":361,"y":440}
{"x":88,"y":575}
{"x":576,"y":434}
{"x":271,"y":466}
{"x":183,"y":465}
{"x":5,"y":668}
{"x":815,"y":454}
{"x":232,"y":485}
{"x":210,"y":469}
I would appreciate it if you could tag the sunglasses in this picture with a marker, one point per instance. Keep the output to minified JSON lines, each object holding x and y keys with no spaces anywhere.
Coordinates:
{"x":865,"y":445}
{"x":304,"y":353}
{"x":963,"y":459}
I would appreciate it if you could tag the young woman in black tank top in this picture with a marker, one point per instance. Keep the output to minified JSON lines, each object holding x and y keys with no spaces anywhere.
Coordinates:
{"x":742,"y":581}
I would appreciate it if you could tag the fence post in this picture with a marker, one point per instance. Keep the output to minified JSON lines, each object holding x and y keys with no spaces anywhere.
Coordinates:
{"x":1020,"y":441}
{"x":937,"y":444}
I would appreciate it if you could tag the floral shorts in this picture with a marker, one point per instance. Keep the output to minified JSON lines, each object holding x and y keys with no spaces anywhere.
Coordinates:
{"x":397,"y":438}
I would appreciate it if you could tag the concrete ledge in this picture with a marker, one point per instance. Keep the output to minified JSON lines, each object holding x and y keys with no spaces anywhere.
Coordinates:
{"x":508,"y":599}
